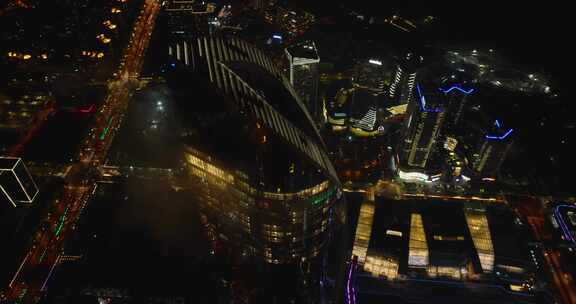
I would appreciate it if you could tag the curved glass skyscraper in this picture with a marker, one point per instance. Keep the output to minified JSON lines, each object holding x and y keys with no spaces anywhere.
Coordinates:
{"x":255,"y":158}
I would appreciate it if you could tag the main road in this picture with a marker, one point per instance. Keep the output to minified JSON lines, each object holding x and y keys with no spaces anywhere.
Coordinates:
{"x":38,"y":264}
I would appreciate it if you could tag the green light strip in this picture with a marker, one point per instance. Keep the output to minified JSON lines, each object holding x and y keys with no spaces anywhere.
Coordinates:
{"x":22,"y":294}
{"x":61,"y":220}
{"x":103,"y":135}
{"x":59,"y":228}
{"x":43,"y":255}
{"x":322,"y":197}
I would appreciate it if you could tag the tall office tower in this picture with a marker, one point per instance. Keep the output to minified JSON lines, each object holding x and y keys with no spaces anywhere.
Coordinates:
{"x":363,"y":104}
{"x":402,"y":87}
{"x":256,"y":160}
{"x":456,"y":97}
{"x":422,"y":125}
{"x":304,"y":75}
{"x":492,"y":151}
{"x":370,"y":75}
{"x":15,"y":181}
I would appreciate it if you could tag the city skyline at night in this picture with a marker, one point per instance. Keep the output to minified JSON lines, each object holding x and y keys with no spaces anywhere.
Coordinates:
{"x":285,"y":151}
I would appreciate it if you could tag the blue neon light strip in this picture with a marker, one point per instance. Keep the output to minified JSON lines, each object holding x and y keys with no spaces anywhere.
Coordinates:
{"x":458,"y":88}
{"x":423,"y":102}
{"x":499,"y":137}
{"x":560,"y":220}
{"x":350,"y":289}
{"x":497,"y":123}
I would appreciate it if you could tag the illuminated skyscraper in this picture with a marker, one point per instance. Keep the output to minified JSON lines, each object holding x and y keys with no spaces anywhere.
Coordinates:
{"x":423,"y":122}
{"x":304,"y":75}
{"x":492,"y":151}
{"x":15,"y":181}
{"x":254,"y":156}
{"x":403,"y":82}
{"x":363,"y":104}
{"x":456,"y":99}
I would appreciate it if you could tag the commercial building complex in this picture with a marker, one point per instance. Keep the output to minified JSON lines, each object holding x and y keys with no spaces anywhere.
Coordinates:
{"x":408,"y":241}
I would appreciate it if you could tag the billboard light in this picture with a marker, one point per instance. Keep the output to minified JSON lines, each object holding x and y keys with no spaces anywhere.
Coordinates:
{"x":374,"y":61}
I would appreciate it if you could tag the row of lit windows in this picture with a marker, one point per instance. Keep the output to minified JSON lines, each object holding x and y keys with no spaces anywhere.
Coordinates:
{"x":363,"y":231}
{"x":448,"y":238}
{"x":301,"y":194}
{"x":511,"y":269}
{"x":480,"y":233}
{"x":209,"y":168}
{"x":381,"y":266}
{"x":445,"y":271}
{"x":417,"y":245}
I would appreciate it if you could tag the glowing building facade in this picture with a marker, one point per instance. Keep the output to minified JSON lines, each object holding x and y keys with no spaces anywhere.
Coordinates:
{"x":480,"y":234}
{"x":363,"y":231}
{"x":304,"y":74}
{"x":363,"y":105}
{"x":253,"y":155}
{"x":403,"y":82}
{"x":418,"y":253}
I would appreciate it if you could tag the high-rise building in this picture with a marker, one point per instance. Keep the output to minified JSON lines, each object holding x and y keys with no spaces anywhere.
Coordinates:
{"x":456,"y":99}
{"x":422,"y":125}
{"x":304,"y":75}
{"x":370,"y":74}
{"x":15,"y":181}
{"x":253,"y":154}
{"x":492,"y":150}
{"x":363,"y":104}
{"x":402,"y":87}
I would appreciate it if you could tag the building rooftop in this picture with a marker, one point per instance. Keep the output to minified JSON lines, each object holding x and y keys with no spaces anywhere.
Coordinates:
{"x":452,"y":234}
{"x":237,"y":101}
{"x":509,"y":236}
{"x":305,"y":49}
